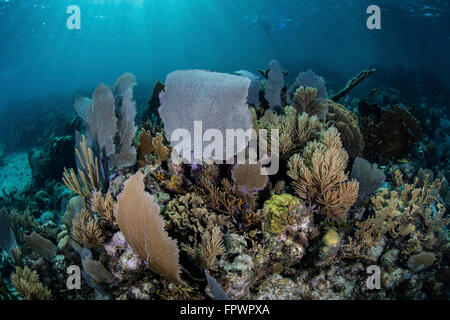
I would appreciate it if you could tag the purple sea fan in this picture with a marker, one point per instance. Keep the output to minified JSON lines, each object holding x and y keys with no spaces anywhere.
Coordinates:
{"x":274,"y":85}
{"x":369,"y":176}
{"x":308,"y":79}
{"x":214,"y":100}
{"x":255,"y":87}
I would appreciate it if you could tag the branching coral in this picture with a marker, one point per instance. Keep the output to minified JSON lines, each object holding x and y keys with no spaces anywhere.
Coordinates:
{"x":28,"y":285}
{"x":221,"y":199}
{"x":353,"y":82}
{"x":410,"y":214}
{"x":319,"y":176}
{"x":88,"y":178}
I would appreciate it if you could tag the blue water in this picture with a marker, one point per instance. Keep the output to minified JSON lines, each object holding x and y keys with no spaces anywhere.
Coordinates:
{"x":150,"y":38}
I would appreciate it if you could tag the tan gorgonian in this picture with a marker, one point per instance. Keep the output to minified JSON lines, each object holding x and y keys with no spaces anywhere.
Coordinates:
{"x":295,"y":129}
{"x":305,"y":100}
{"x":151,"y":149}
{"x":319,"y":177}
{"x":88,"y":178}
{"x":248,"y":180}
{"x":278,"y":188}
{"x":207,"y":251}
{"x":103,"y":205}
{"x":221,"y":199}
{"x":86,"y":230}
{"x":140,"y":222}
{"x":28,"y":285}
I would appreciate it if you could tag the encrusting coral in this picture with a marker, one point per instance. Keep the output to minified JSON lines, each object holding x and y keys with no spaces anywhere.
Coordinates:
{"x":278,"y":211}
{"x":319,"y":177}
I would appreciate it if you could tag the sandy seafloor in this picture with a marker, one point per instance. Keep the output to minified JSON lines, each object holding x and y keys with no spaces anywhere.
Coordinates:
{"x":15,"y":173}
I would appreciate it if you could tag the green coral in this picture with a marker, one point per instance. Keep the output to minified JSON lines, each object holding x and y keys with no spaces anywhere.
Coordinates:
{"x":277,"y":210}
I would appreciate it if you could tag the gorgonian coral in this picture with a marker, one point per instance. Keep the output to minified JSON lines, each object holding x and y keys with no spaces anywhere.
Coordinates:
{"x":306,"y":100}
{"x":369,"y":176}
{"x":296,"y":129}
{"x":139,"y":220}
{"x":274,"y":85}
{"x":109,"y":122}
{"x":308,"y":79}
{"x":28,"y":285}
{"x":319,"y":177}
{"x":209,"y":100}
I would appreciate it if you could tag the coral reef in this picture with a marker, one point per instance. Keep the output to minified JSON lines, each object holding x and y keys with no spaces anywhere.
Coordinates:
{"x":140,"y":224}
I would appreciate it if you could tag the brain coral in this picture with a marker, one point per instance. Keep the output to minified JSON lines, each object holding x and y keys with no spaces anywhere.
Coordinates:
{"x":347,"y":124}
